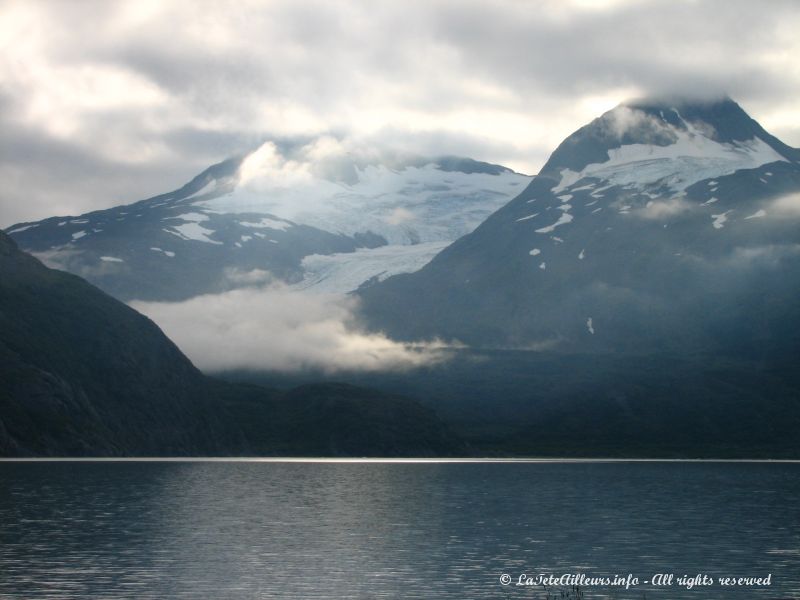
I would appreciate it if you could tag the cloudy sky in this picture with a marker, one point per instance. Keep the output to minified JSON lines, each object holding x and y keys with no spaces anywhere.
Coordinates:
{"x":104,"y":102}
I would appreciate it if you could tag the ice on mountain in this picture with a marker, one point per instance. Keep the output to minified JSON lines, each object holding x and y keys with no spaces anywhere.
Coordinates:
{"x":598,"y":209}
{"x":556,"y":239}
{"x":445,"y":205}
{"x":757,"y":215}
{"x":111,"y":259}
{"x":346,"y":271}
{"x":78,"y":235}
{"x":565,"y":207}
{"x":528,"y":217}
{"x":565,"y":197}
{"x":709,"y":201}
{"x":246,"y":238}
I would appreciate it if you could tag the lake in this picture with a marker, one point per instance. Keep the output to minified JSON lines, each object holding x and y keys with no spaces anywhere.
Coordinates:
{"x":319,"y":529}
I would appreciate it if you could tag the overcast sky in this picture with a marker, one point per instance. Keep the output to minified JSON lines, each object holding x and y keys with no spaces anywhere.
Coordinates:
{"x":103,"y":103}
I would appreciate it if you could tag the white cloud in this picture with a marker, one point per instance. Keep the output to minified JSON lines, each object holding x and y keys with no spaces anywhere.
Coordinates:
{"x":274,"y":328}
{"x":138,"y":96}
{"x":662,"y":209}
{"x":788,"y":205}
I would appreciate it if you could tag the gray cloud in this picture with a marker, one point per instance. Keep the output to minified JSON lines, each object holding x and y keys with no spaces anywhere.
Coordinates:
{"x":108,"y":102}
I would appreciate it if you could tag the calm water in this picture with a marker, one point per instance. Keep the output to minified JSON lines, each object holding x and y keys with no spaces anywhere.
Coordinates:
{"x":252,"y":530}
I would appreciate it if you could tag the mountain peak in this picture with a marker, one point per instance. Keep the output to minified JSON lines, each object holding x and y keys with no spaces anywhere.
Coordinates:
{"x":666,"y":128}
{"x":651,"y":199}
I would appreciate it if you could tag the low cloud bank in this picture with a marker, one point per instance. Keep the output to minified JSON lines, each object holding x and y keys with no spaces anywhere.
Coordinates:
{"x":277,"y":329}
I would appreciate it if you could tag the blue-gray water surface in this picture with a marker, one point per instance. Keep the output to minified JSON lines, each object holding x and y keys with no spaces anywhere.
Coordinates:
{"x":258,"y":530}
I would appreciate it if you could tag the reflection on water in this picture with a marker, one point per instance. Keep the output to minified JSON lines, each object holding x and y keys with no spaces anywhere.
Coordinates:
{"x":363,"y":530}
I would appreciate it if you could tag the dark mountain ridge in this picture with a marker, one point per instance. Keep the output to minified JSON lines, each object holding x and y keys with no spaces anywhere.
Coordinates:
{"x":82,"y":374}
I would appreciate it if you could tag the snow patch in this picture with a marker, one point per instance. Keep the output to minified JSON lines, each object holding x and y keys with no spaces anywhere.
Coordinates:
{"x":562,"y":220}
{"x":78,"y":235}
{"x":720,"y":219}
{"x":23,"y":228}
{"x":111,"y":259}
{"x":166,"y":252}
{"x":267,"y":223}
{"x":692,"y":158}
{"x":582,"y":255}
{"x":757,"y":215}
{"x":191,"y":217}
{"x":528,"y":217}
{"x":589,"y":325}
{"x":535,"y":252}
{"x":543,"y":266}
{"x":193,"y":231}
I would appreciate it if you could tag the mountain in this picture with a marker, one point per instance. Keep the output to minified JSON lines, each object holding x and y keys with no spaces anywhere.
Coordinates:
{"x":314,"y":216}
{"x":82,"y":374}
{"x":660,"y":227}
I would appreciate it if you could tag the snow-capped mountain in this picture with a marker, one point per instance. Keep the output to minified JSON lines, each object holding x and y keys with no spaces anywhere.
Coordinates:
{"x":317,"y":216}
{"x":660,"y":225}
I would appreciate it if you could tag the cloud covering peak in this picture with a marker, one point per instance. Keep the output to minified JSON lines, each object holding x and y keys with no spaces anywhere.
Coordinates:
{"x":105,"y":102}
